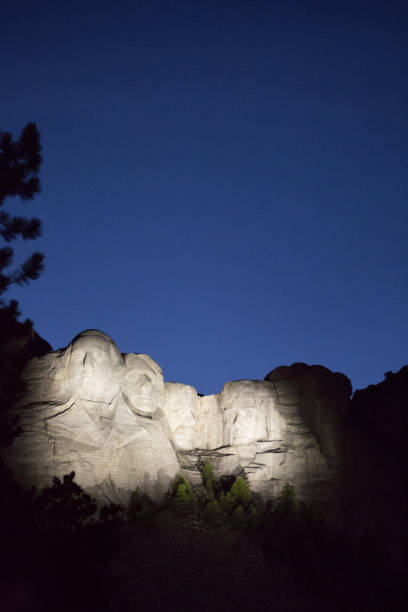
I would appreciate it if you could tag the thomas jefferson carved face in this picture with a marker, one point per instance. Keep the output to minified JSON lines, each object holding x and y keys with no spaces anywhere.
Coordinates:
{"x":93,"y":367}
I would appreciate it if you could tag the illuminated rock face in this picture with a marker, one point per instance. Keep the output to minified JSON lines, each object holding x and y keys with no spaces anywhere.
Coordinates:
{"x":209,"y":432}
{"x":110,"y":418}
{"x":180,"y":410}
{"x":247,"y":408}
{"x":89,"y":410}
{"x":264,"y":437}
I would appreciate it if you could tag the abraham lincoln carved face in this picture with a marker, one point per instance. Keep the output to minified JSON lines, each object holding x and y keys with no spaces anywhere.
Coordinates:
{"x":246,"y":408}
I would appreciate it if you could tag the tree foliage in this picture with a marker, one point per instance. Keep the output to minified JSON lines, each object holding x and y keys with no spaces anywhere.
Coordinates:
{"x":141,"y":508}
{"x":213,"y":510}
{"x":20,"y":162}
{"x":286,"y":502}
{"x":207,"y":475}
{"x":229,"y":497}
{"x":56,"y":543}
{"x":183,"y":494}
{"x":65,"y":507}
{"x":238,"y":516}
{"x":241,"y":492}
{"x":228,"y":502}
{"x":254,"y":516}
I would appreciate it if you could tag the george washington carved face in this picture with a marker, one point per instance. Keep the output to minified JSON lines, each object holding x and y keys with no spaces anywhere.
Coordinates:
{"x":95,"y":367}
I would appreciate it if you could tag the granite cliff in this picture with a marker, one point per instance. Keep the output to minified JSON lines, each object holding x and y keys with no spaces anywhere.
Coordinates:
{"x":112,"y":419}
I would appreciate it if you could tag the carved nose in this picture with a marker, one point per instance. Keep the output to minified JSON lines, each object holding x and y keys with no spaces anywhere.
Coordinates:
{"x":145,"y":384}
{"x":88,"y":361}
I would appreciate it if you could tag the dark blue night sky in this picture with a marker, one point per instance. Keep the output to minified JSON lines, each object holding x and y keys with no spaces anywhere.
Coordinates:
{"x":224,"y":184}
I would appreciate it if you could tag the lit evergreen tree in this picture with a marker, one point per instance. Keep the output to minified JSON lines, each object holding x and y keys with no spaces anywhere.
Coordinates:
{"x":207,"y":475}
{"x":183,"y":493}
{"x":228,"y":502}
{"x":241,"y":492}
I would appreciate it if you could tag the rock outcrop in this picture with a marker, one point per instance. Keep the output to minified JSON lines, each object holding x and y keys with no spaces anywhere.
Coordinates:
{"x":111,"y":418}
{"x":91,"y":410}
{"x":19,"y":342}
{"x":322,"y":399}
{"x":270,"y":434}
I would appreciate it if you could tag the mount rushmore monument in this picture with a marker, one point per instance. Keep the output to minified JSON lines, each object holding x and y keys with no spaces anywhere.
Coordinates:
{"x":112,"y":419}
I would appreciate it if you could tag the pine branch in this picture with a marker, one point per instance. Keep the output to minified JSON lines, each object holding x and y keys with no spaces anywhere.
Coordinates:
{"x":6,"y":257}
{"x":29,"y":147}
{"x":4,"y":283}
{"x":29,"y":270}
{"x":19,"y":164}
{"x":29,"y":229}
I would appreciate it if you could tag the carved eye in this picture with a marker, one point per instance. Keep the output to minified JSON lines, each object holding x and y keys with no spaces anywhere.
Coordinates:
{"x":139,"y":380}
{"x":77,"y":356}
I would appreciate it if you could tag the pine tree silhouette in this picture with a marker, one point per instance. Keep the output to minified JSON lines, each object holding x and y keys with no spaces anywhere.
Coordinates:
{"x":20,"y":162}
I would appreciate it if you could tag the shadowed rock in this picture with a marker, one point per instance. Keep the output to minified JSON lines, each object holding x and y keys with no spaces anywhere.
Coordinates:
{"x":322,"y":399}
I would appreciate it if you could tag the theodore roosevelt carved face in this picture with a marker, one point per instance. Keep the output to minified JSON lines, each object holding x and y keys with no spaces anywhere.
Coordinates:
{"x":180,"y":408}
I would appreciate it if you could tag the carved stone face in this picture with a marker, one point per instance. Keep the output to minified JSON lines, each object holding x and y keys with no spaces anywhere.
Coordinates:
{"x":180,"y":408}
{"x":141,"y":386}
{"x":91,"y":369}
{"x":249,"y":425}
{"x":245,"y":406}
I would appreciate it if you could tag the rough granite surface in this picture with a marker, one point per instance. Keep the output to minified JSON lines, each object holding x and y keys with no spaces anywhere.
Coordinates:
{"x":112,"y":419}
